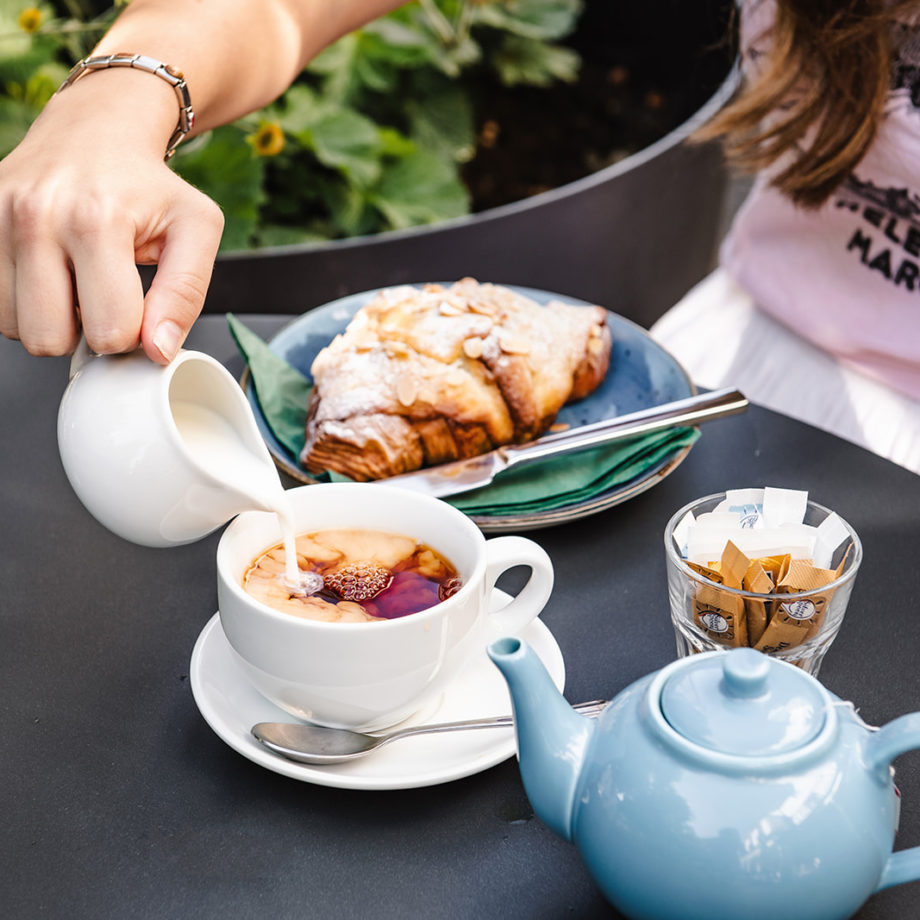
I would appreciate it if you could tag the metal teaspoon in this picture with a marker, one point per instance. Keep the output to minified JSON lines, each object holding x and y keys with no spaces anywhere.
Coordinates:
{"x":317,"y":744}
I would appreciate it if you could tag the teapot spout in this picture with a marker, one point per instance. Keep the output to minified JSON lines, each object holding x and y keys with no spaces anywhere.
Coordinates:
{"x":551,"y":737}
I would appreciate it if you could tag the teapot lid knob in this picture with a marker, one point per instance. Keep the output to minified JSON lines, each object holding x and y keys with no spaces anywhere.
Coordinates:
{"x":745,"y":675}
{"x":743,"y":702}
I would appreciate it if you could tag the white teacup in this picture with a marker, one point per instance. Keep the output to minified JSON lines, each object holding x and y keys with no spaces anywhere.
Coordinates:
{"x":367,"y":676}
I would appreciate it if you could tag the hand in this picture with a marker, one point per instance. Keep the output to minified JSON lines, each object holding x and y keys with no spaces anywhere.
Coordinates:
{"x":85,"y":198}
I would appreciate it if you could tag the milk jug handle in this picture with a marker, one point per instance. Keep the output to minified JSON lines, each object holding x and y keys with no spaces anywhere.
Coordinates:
{"x":895,"y":738}
{"x":81,"y":356}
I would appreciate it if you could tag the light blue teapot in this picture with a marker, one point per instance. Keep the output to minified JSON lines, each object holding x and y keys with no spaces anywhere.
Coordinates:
{"x":727,"y":785}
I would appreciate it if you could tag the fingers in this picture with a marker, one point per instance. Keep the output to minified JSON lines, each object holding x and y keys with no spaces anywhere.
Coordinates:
{"x":69,"y":252}
{"x":177,"y":293}
{"x":53,"y":258}
{"x":36,"y":290}
{"x":108,"y":286}
{"x":9,"y":327}
{"x":57,"y":252}
{"x":43,"y":297}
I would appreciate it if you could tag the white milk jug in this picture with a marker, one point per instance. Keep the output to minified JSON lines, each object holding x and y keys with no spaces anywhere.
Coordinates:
{"x":163,"y":455}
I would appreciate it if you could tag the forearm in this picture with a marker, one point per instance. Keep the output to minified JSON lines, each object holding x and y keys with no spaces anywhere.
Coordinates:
{"x":236,"y":55}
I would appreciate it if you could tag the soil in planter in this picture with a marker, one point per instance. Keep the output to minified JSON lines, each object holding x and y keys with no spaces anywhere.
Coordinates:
{"x":646,"y":68}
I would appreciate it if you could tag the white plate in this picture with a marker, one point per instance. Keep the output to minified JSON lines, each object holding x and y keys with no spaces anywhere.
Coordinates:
{"x":231,"y":706}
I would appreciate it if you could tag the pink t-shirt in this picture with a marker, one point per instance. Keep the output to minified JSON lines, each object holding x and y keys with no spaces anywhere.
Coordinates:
{"x":847,"y":276}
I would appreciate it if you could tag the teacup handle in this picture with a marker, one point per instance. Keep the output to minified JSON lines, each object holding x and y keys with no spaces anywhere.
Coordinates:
{"x":503,"y":553}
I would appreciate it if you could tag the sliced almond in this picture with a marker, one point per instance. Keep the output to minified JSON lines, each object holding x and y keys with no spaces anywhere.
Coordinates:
{"x":446,"y":308}
{"x":483,"y":307}
{"x":472,"y":347}
{"x":365,"y":342}
{"x":397,"y":349}
{"x":406,"y":390}
{"x":511,"y":345}
{"x":596,"y":346}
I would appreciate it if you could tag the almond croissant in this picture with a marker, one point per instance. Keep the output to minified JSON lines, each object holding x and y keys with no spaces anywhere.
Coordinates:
{"x":423,"y":376}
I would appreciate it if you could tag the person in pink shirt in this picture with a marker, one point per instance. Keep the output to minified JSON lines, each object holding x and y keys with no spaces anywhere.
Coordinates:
{"x":815,"y":307}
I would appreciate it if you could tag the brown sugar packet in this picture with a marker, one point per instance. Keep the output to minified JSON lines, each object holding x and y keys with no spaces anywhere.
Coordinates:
{"x":733,"y":565}
{"x":775,"y":566}
{"x":718,"y":613}
{"x":757,"y":581}
{"x":794,"y":622}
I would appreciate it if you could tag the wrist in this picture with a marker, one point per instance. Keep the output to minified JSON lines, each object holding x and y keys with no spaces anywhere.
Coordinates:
{"x":144,"y":64}
{"x":130,"y":105}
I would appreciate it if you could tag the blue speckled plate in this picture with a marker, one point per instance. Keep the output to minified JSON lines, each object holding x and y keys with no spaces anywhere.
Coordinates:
{"x":642,"y":374}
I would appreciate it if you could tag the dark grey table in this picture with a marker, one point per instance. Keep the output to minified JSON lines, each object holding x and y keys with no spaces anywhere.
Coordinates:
{"x":118,"y":801}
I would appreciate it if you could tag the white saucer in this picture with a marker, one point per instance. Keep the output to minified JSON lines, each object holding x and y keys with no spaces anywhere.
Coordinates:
{"x":231,"y":706}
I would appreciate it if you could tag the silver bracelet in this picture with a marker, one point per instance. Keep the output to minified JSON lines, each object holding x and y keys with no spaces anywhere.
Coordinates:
{"x":149,"y":65}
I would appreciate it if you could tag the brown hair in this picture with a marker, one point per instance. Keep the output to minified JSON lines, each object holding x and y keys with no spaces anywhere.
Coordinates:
{"x":827,"y":69}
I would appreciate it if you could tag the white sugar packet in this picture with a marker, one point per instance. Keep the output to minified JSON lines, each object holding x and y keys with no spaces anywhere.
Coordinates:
{"x":760,"y":522}
{"x":831,"y":533}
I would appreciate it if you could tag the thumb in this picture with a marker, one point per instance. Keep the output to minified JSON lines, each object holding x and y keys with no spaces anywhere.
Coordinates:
{"x":177,"y":292}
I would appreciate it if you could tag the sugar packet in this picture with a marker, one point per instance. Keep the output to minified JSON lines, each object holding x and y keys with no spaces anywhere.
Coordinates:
{"x":756,"y":541}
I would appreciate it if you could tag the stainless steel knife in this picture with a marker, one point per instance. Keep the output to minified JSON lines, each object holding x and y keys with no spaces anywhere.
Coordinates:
{"x":476,"y":472}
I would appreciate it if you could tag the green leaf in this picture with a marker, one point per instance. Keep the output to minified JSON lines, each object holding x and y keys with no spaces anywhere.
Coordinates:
{"x":536,"y":19}
{"x":337,"y":65}
{"x":42,"y":85}
{"x":15,"y":118}
{"x":443,"y":122}
{"x":346,"y":141}
{"x":21,"y":56}
{"x":296,"y":110}
{"x":420,"y":189}
{"x":225,"y":168}
{"x":349,"y":209}
{"x":394,"y":143}
{"x":280,"y":235}
{"x":370,"y":60}
{"x":523,"y":60}
{"x":403,"y":44}
{"x":454,"y":59}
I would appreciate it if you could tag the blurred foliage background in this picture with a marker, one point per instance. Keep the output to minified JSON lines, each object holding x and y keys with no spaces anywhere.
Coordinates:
{"x":372,"y":136}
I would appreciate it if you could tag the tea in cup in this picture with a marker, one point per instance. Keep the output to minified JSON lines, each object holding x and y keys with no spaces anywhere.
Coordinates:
{"x":352,"y":576}
{"x":367,"y":673}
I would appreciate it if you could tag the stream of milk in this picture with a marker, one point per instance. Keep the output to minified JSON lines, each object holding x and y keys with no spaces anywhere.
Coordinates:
{"x":218,"y":447}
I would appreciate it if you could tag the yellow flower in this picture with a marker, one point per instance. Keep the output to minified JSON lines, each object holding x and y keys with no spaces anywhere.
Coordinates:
{"x":30,"y":19}
{"x":268,"y":141}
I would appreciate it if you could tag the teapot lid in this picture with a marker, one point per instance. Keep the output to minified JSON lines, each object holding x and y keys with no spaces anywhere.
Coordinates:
{"x":743,"y":702}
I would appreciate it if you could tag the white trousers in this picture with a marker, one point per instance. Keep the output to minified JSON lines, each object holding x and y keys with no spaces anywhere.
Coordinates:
{"x":722,"y":339}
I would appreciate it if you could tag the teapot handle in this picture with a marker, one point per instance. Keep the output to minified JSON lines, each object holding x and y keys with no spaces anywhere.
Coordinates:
{"x":896,"y":738}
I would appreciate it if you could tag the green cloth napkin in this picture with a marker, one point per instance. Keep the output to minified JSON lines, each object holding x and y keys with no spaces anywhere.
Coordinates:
{"x":550,"y":484}
{"x":283,"y":392}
